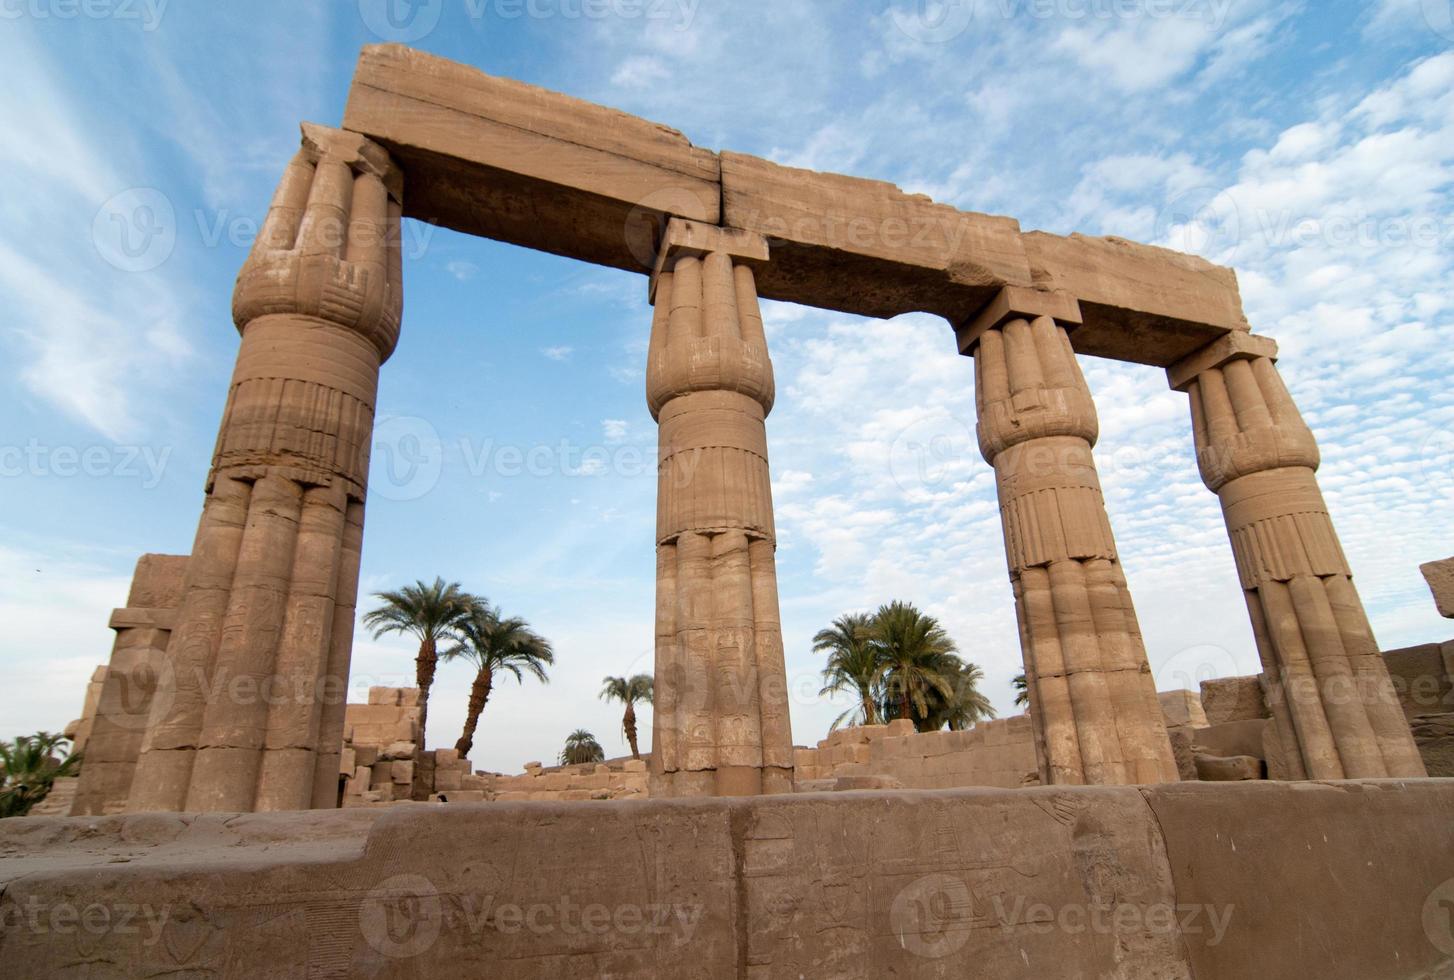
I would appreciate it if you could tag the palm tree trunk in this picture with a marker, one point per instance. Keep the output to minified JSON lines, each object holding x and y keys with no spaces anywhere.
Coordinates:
{"x":869,"y":711}
{"x":479,"y":694}
{"x":629,"y":723}
{"x":424,"y":666}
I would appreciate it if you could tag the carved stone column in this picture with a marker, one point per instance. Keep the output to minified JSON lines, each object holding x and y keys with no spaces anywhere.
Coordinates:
{"x":720,"y":721}
{"x":248,"y":714}
{"x":1325,"y":679}
{"x":1093,"y":702}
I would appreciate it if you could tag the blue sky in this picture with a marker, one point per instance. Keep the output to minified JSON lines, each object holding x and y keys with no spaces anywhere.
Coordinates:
{"x":1309,"y":145}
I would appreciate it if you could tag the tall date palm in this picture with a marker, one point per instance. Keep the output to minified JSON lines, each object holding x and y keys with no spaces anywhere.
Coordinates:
{"x":496,"y":645}
{"x":852,"y":667}
{"x":433,"y":614}
{"x":628,"y":690}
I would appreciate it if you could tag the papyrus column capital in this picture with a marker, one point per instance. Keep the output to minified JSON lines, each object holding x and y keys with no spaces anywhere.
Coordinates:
{"x":707,"y":333}
{"x":329,"y":248}
{"x":1244,"y":419}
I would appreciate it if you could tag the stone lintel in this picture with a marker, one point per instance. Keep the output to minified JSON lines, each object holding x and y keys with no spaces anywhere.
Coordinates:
{"x":132,"y":618}
{"x":686,"y":237}
{"x":1018,"y":302}
{"x":1231,"y":347}
{"x":1440,"y":576}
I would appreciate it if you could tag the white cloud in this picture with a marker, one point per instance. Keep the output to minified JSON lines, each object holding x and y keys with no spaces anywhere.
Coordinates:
{"x":558,"y":353}
{"x":615,"y":430}
{"x":462,"y":270}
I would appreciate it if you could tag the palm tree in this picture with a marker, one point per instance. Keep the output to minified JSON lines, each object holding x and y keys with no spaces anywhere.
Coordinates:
{"x":967,"y":706}
{"x":581,"y":746}
{"x":852,"y":666}
{"x":28,"y":768}
{"x":494,"y":644}
{"x":914,"y":658}
{"x":433,"y":614}
{"x":1022,"y":690}
{"x":628,"y":691}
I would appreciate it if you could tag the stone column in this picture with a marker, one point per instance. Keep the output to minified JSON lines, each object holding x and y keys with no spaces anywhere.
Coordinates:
{"x":248,"y":715}
{"x":1326,"y":682}
{"x":1093,"y":702}
{"x":720,"y":720}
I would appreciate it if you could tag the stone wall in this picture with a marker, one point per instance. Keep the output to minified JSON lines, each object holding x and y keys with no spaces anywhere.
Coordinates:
{"x":1261,"y":880}
{"x":380,"y":747}
{"x":621,"y":780}
{"x":997,"y":753}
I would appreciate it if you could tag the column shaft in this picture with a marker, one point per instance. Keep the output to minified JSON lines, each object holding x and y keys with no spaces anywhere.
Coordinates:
{"x":1096,"y":716}
{"x":720,"y":715}
{"x":1334,"y":705}
{"x":248,"y":712}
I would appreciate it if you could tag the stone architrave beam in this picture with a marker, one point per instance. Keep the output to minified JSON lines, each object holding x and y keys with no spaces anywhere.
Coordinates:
{"x":498,"y":158}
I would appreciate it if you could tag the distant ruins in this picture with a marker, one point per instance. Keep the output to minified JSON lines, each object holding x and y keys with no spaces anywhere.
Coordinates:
{"x":1344,"y":846}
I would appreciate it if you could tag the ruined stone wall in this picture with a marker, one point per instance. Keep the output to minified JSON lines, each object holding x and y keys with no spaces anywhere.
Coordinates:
{"x":380,"y":747}
{"x":111,"y":732}
{"x":997,"y":753}
{"x":624,"y":780}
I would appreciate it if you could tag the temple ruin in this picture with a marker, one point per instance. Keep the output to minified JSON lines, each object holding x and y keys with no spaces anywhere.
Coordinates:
{"x":1342,"y":845}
